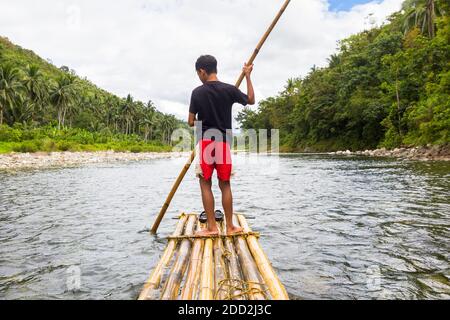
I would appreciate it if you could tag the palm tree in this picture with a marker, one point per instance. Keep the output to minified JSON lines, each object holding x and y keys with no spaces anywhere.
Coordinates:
{"x":334,"y":60}
{"x":109,"y":110}
{"x":168,"y":124}
{"x":23,"y":109}
{"x":291,"y":86}
{"x":148,"y":121}
{"x":127,"y":112}
{"x":62,"y":96}
{"x":421,"y":14}
{"x":35,"y":85}
{"x":115,"y":113}
{"x":72,"y":109}
{"x":10,"y":89}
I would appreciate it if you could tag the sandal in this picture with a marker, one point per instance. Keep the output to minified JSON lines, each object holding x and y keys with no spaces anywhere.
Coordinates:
{"x":202,"y":217}
{"x":218,"y":215}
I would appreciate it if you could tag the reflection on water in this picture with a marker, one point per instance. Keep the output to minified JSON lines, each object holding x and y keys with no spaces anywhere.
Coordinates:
{"x":340,"y":228}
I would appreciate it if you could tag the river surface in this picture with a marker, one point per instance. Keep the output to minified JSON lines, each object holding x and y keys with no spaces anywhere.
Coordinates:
{"x":333,"y":227}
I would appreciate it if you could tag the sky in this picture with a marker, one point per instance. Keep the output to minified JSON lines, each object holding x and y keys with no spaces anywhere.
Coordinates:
{"x":148,"y":47}
{"x":339,"y":5}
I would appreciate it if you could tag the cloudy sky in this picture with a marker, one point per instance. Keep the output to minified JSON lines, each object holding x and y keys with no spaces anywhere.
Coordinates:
{"x":148,"y":47}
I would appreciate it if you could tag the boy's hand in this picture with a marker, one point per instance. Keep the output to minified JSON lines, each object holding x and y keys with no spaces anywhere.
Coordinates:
{"x":247,"y":69}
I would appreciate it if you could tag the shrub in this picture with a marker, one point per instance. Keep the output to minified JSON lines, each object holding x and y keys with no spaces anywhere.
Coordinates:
{"x":136,"y":149}
{"x":66,"y":146}
{"x":26,"y":146}
{"x":9,"y":134}
{"x":48,"y":145}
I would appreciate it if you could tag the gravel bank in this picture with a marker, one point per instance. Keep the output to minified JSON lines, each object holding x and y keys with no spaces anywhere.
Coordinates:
{"x":13,"y":161}
{"x":418,"y":153}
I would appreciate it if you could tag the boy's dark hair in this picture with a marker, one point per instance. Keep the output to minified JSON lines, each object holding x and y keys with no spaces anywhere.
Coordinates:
{"x":207,"y":63}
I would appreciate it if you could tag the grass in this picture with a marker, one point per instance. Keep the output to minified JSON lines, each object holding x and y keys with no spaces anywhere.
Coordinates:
{"x":48,"y":139}
{"x":52,"y":146}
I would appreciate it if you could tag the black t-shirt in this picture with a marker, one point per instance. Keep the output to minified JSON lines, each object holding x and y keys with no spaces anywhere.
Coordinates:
{"x":212,"y":103}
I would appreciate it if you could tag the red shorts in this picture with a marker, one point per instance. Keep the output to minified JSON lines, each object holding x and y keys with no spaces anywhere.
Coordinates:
{"x":215,"y":155}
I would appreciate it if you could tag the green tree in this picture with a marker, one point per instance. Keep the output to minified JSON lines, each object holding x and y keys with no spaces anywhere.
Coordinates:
{"x":383,"y":87}
{"x":10,"y":89}
{"x":421,"y":14}
{"x":35,"y":84}
{"x":62,"y":96}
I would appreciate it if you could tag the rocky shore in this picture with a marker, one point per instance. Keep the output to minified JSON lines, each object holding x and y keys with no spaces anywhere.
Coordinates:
{"x":418,"y":153}
{"x":13,"y":161}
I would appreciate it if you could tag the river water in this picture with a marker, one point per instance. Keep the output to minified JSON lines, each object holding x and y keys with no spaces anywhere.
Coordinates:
{"x":333,"y":227}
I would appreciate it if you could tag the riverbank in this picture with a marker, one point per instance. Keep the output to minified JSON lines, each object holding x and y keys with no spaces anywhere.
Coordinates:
{"x":40,"y":160}
{"x":428,"y":153}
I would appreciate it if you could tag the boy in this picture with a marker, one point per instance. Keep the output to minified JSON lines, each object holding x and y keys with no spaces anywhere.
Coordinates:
{"x":211,"y":106}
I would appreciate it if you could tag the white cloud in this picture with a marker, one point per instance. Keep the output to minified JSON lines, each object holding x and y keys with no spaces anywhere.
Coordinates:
{"x":148,"y":48}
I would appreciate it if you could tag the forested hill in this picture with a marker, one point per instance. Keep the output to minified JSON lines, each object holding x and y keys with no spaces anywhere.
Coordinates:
{"x":385,"y":87}
{"x":37,"y":98}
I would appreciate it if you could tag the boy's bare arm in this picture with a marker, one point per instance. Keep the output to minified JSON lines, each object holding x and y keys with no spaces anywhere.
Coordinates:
{"x":192,"y":119}
{"x":250,"y":91}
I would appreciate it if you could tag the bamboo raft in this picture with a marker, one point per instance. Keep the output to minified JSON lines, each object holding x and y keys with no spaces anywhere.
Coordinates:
{"x":213,"y":268}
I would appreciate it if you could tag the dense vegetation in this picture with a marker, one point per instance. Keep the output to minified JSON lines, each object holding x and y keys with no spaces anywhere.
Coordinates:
{"x":388,"y":86}
{"x":43,"y":107}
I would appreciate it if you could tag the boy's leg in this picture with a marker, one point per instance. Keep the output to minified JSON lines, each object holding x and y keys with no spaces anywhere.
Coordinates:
{"x":227,"y":203}
{"x":224,"y":168}
{"x":208,"y":205}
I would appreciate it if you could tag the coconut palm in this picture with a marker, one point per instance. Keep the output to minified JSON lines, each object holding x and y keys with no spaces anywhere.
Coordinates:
{"x":168,"y":124}
{"x":148,"y":122}
{"x":334,"y":60}
{"x":421,"y":14}
{"x":291,"y":86}
{"x":128,"y":111}
{"x":36,"y":88}
{"x":10,"y":89}
{"x":62,"y":96}
{"x":23,"y":109}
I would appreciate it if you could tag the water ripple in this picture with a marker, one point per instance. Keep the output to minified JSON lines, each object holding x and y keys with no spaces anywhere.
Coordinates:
{"x":327,"y":223}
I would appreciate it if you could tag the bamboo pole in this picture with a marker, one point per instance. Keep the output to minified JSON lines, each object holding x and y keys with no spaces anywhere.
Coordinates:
{"x":175,"y":186}
{"x":198,"y":288}
{"x":249,"y":269}
{"x":220,"y":273}
{"x":263,"y":39}
{"x":276,"y":288}
{"x":193,"y":274}
{"x":153,"y":282}
{"x":172,"y":285}
{"x":207,"y":276}
{"x":174,"y":189}
{"x":233,"y":271}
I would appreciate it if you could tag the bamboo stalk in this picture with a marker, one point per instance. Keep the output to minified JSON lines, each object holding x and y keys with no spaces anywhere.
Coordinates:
{"x":174,"y":189}
{"x":263,"y":39}
{"x":207,"y":276}
{"x":193,"y":275}
{"x":172,"y":285}
{"x":234,"y":273}
{"x":198,"y":288}
{"x":249,"y":269}
{"x":276,"y":288}
{"x":220,"y":273}
{"x":153,"y":282}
